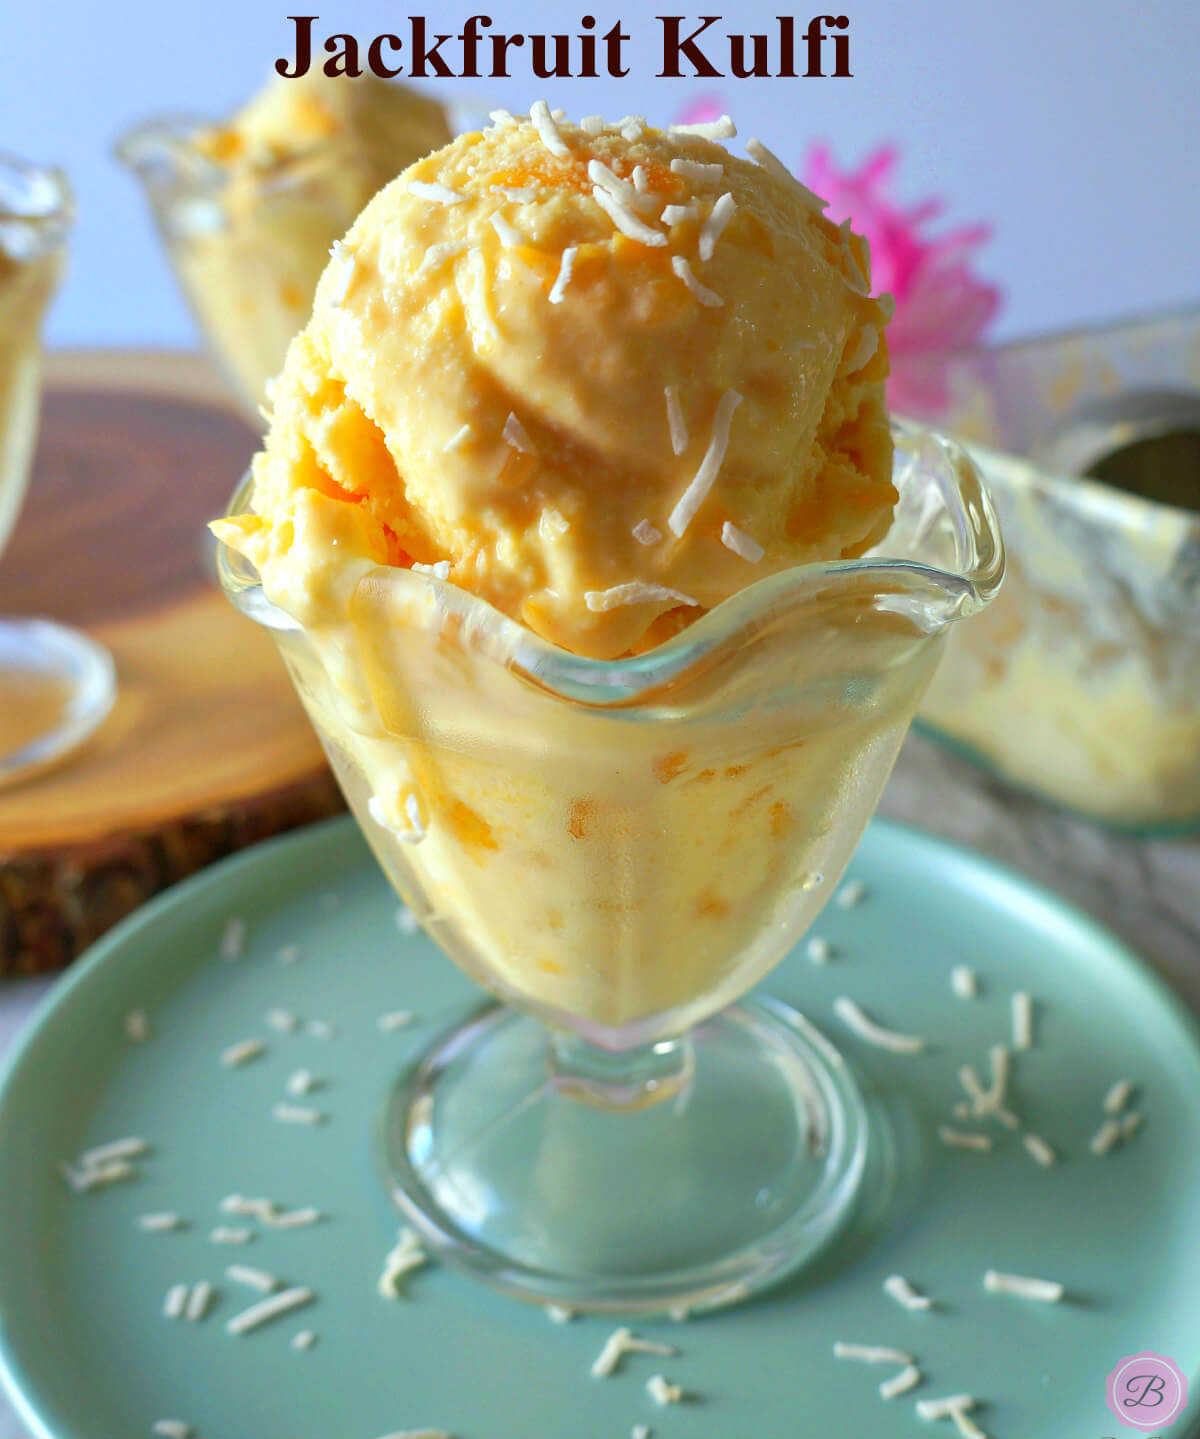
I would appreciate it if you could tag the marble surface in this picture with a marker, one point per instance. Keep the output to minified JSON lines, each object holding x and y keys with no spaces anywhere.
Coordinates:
{"x":1148,"y":892}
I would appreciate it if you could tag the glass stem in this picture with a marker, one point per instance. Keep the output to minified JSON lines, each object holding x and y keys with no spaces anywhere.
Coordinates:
{"x":619,"y":1080}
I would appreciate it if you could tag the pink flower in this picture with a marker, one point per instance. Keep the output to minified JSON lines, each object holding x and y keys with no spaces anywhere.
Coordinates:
{"x":940,"y":305}
{"x":700,"y":110}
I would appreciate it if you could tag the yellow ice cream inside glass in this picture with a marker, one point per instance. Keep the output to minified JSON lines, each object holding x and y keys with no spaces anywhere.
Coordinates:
{"x":602,"y":378}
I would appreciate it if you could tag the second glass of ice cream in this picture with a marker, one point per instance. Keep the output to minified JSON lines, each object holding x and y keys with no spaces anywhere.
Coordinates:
{"x":576,"y":526}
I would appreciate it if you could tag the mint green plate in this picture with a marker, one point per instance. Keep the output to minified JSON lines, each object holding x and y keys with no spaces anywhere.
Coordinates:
{"x":88,"y":1354}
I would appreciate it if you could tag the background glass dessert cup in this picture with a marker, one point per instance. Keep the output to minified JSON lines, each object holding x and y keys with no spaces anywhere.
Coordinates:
{"x":1082,"y":685}
{"x":57,"y":684}
{"x":248,"y":211}
{"x":618,"y":850}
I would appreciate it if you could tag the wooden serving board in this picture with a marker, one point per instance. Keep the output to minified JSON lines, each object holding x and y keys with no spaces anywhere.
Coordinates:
{"x":207,"y":748}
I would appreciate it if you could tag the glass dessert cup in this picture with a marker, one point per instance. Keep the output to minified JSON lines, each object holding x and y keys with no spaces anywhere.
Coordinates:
{"x":249,"y":272}
{"x":57,"y":684}
{"x":1082,"y":684}
{"x":247,"y":256}
{"x":617,"y":851}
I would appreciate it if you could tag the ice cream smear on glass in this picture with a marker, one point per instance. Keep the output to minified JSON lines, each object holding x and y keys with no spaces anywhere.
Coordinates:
{"x":602,"y":377}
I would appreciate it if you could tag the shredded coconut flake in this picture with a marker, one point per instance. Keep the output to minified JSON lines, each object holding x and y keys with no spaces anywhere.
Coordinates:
{"x":137,"y":1026}
{"x":819,"y":950}
{"x":901,"y":1383}
{"x":436,"y":194}
{"x":198,"y":1301}
{"x":854,"y":1018}
{"x":559,"y":1313}
{"x":1130,"y":1125}
{"x":565,"y":268}
{"x":175,"y":1301}
{"x":171,"y":1429}
{"x":304,"y":1339}
{"x":502,"y":119}
{"x":592,"y":124}
{"x":301,"y":1082}
{"x":1039,"y":1150}
{"x":295,"y":1218}
{"x":440,"y":570}
{"x":625,"y":220}
{"x":263,"y":1209}
{"x":899,"y":1289}
{"x":396,"y":1019}
{"x":102,"y":1154}
{"x":683,"y":269}
{"x":646,"y":534}
{"x":720,"y":129}
{"x":632,"y":128}
{"x":416,"y":831}
{"x":945,"y":1408}
{"x":510,"y":237}
{"x":851,"y":894}
{"x":1118,"y":1096}
{"x":675,"y":420}
{"x":773,"y":165}
{"x":634,"y":592}
{"x":621,"y":1342}
{"x":296,"y":1114}
{"x":640,"y":1431}
{"x":679,"y":214}
{"x":547,"y":128}
{"x":695,"y":494}
{"x":1106,"y":1137}
{"x":233,"y":939}
{"x":516,"y":435}
{"x":406,"y":921}
{"x":641,"y":180}
{"x":253,"y":1278}
{"x":957,"y":1139}
{"x":1022,"y":1020}
{"x":662,"y":1391}
{"x":870,"y":1353}
{"x":242,"y":1052}
{"x":283,"y":1020}
{"x":268,"y":1309}
{"x":347,"y":261}
{"x":436,"y":255}
{"x":710,"y":232}
{"x":963,"y":981}
{"x":224,"y":1234}
{"x":1047,"y":1291}
{"x":400,"y":1261}
{"x":159,"y":1223}
{"x":697,"y":170}
{"x":625,"y":193}
{"x":741,"y":543}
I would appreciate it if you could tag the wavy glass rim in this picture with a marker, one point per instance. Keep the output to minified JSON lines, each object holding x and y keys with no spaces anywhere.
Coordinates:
{"x":37,"y":207}
{"x":942,"y":595}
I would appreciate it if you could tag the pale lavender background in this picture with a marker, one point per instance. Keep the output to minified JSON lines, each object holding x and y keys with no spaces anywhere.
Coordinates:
{"x":1071,"y":125}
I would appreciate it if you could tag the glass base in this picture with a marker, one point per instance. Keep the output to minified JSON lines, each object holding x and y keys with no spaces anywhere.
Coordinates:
{"x":58,"y":685}
{"x":686,"y":1177}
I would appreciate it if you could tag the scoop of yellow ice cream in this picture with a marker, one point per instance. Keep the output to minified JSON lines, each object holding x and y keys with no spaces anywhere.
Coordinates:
{"x":363,"y":132}
{"x":610,"y":377}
